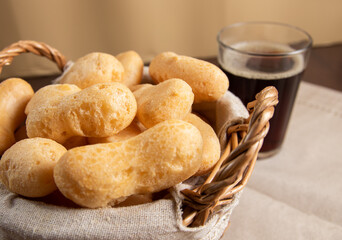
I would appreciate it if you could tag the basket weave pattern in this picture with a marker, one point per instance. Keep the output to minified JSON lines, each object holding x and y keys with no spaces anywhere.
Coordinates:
{"x":236,"y":164}
{"x":237,"y":161}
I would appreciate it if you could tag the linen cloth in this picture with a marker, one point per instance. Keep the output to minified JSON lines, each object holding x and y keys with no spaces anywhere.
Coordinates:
{"x":297,"y":193}
{"x":23,"y":218}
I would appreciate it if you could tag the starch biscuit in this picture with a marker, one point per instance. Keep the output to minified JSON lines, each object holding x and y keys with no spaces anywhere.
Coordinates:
{"x":75,"y":141}
{"x":132,"y":130}
{"x":20,"y":133}
{"x":15,"y":93}
{"x":50,"y":94}
{"x":211,"y":145}
{"x":171,"y":99}
{"x":133,"y":66}
{"x":104,"y":174}
{"x":94,"y":68}
{"x":26,"y":168}
{"x":100,"y":110}
{"x":207,"y":81}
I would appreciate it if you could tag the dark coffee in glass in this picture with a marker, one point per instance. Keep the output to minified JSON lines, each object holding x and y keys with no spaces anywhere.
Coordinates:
{"x":254,"y":58}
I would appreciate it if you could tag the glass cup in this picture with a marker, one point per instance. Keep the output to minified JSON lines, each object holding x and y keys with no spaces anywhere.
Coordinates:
{"x":259,"y":54}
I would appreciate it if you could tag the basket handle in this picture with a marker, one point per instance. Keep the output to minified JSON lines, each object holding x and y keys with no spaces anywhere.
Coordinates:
{"x":232,"y":172}
{"x":29,"y":46}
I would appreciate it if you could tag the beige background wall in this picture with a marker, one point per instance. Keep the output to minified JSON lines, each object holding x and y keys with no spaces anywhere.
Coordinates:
{"x":77,"y":27}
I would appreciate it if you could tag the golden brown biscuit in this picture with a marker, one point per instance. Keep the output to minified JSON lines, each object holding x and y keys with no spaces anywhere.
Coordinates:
{"x":15,"y":93}
{"x":51,"y":94}
{"x":27,"y":167}
{"x":94,"y":68}
{"x":171,"y":99}
{"x":211,"y":145}
{"x":133,"y":65}
{"x":139,"y":86}
{"x":100,"y":110}
{"x":76,"y":141}
{"x":104,"y":174}
{"x":131,"y":131}
{"x":207,"y":81}
{"x":20,"y":133}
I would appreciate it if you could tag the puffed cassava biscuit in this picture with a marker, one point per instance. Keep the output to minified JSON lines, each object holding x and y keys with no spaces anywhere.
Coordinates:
{"x":75,"y":141}
{"x":15,"y":93}
{"x":207,"y":81}
{"x":132,"y":130}
{"x":94,"y":68}
{"x":26,"y":168}
{"x":104,"y":174}
{"x":100,"y":110}
{"x":171,"y":99}
{"x":211,"y":145}
{"x":133,"y":65}
{"x":50,"y":94}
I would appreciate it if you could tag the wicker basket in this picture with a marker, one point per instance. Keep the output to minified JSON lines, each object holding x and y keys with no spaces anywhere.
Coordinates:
{"x":236,"y":164}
